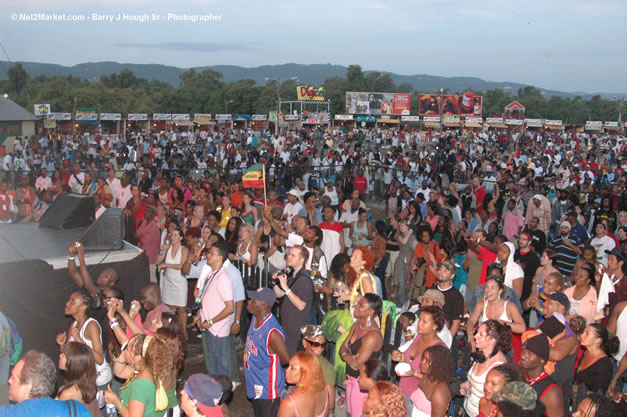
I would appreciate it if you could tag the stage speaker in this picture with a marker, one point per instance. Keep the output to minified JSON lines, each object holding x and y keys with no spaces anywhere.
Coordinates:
{"x":107,"y":233}
{"x":69,"y":211}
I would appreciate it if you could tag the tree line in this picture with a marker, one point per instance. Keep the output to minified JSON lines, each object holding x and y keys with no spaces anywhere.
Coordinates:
{"x":204,"y":92}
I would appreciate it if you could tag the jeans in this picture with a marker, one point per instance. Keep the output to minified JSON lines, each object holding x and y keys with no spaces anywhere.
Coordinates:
{"x":233,"y":368}
{"x":216,"y":353}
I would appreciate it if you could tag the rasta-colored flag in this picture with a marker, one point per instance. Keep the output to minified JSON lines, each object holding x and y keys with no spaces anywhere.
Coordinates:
{"x":254,"y":177}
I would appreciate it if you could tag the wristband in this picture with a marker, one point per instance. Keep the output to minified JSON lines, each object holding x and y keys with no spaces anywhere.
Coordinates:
{"x":71,"y":258}
{"x":211,"y":322}
{"x":237,"y":321}
{"x":289,"y":290}
{"x":118,"y":361}
{"x":113,"y":321}
{"x":114,"y":325}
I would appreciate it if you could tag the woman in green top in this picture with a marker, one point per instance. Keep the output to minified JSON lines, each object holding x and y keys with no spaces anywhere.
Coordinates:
{"x":146,"y":361}
{"x":171,"y":338}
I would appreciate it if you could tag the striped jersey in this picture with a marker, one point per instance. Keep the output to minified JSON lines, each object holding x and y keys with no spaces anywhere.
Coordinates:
{"x":265,"y":378}
{"x":566,"y":258}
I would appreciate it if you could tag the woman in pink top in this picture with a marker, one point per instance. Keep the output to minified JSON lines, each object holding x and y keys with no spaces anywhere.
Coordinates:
{"x":433,"y":396}
{"x":432,"y":320}
{"x":583,"y":295}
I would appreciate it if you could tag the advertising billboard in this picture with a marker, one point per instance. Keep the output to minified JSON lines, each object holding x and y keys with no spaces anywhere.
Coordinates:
{"x":377,"y":103}
{"x":467,"y":104}
{"x":42,"y":109}
{"x":306,"y":93}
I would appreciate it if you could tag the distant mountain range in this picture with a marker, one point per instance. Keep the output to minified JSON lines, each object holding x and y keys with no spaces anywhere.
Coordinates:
{"x":314,"y":74}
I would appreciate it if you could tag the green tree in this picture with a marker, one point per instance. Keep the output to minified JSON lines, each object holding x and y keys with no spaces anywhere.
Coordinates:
{"x":18,"y":78}
{"x":335,"y":89}
{"x":355,"y":78}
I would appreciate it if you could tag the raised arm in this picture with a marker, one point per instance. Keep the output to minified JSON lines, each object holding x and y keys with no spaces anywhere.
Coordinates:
{"x":71,"y":265}
{"x":88,"y":283}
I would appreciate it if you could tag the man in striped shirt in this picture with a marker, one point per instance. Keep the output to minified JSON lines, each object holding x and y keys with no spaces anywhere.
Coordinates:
{"x":568,"y":248}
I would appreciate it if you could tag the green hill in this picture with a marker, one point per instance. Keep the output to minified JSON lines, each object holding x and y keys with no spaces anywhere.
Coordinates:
{"x":307,"y":74}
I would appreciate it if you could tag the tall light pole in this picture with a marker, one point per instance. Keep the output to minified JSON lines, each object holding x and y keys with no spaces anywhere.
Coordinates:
{"x":278,"y":101}
{"x":441,"y":108}
{"x":226,"y":104}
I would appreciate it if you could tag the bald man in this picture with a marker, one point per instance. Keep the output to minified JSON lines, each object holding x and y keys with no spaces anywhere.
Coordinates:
{"x":106,"y":279}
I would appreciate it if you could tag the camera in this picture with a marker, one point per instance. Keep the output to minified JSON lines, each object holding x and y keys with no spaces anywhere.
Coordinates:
{"x":420,"y":262}
{"x":195,"y":308}
{"x":288,"y":272}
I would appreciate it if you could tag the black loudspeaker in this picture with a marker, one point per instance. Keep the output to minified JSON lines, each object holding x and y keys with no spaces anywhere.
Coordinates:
{"x":107,"y":233}
{"x":69,"y":211}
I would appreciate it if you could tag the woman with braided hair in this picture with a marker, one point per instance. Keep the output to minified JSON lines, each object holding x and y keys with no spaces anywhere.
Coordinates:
{"x":385,"y":400}
{"x":146,"y":362}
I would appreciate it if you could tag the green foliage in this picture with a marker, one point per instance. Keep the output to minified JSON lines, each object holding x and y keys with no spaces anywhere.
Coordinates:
{"x":17,"y":78}
{"x":206,"y":92}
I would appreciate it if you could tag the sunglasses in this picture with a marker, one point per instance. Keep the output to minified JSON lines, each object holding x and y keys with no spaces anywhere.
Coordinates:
{"x":316,"y":344}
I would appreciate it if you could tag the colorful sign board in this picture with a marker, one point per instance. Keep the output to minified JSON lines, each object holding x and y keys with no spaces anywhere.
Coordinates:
{"x":467,"y":104}
{"x":377,"y":103}
{"x":309,"y":93}
{"x":42,"y":109}
{"x":59,"y":116}
{"x":111,"y":116}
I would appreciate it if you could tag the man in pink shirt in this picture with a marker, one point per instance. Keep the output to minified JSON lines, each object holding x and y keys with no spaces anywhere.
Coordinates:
{"x":148,"y":238}
{"x":217,"y":305}
{"x":512,"y":220}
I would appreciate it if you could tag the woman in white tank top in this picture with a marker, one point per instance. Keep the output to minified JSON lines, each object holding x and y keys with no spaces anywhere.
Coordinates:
{"x":493,"y":340}
{"x":496,"y":308}
{"x":86,"y":330}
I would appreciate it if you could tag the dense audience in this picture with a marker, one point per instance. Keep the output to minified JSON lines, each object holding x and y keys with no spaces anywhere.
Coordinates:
{"x":410,"y":272}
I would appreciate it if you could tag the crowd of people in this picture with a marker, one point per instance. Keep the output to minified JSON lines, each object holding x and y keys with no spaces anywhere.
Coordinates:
{"x":485,"y":276}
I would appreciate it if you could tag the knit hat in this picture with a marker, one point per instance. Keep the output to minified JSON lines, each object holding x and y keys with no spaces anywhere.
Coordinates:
{"x":539,"y":345}
{"x":519,"y":393}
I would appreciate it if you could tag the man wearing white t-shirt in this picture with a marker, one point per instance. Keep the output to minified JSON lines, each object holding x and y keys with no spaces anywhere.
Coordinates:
{"x":293,"y":207}
{"x":294,"y":232}
{"x":347,"y":219}
{"x":124,"y":193}
{"x":43,"y":182}
{"x":114,"y":184}
{"x":602,"y":242}
{"x":76,"y":179}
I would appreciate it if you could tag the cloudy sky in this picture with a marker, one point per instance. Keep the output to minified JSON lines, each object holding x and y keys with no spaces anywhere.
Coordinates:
{"x":569,"y":45}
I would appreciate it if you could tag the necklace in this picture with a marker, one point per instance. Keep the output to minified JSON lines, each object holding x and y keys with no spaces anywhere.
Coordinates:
{"x":536,"y":379}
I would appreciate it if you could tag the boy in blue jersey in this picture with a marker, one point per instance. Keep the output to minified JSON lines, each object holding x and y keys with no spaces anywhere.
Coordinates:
{"x":264,"y":354}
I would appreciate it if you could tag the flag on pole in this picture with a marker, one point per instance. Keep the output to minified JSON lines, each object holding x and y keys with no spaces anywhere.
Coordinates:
{"x":254,"y":177}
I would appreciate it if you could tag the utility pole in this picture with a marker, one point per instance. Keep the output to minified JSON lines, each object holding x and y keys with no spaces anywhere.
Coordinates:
{"x":278,"y":101}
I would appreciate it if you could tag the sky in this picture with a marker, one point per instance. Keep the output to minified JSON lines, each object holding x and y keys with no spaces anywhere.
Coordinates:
{"x":566,"y":45}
